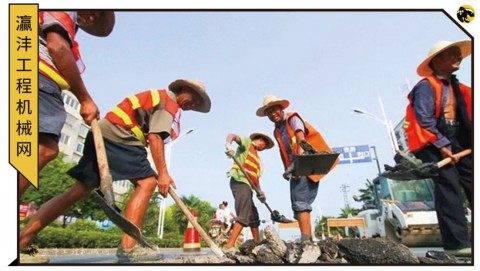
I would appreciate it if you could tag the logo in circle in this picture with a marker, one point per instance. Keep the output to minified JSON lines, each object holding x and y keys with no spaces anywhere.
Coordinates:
{"x":466,"y":14}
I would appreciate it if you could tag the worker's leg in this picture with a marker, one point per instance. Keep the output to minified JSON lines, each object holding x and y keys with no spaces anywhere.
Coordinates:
{"x":255,"y":235}
{"x":302,"y":194}
{"x":137,"y":206}
{"x":47,"y":151}
{"x":246,"y":211}
{"x":236,"y":230}
{"x":50,"y":210}
{"x":305,"y":225}
{"x":51,"y":118}
{"x":254,"y":220}
{"x":448,"y":202}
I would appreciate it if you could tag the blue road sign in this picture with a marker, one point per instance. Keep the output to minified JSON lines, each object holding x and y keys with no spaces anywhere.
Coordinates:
{"x":354,"y":154}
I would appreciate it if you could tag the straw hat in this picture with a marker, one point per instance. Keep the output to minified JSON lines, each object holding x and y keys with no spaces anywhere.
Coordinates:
{"x":465,"y":48}
{"x":263,"y":135}
{"x":102,"y":26}
{"x":269,"y":101}
{"x":196,"y":86}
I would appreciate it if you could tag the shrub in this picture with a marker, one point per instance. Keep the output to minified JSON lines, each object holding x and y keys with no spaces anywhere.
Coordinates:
{"x":69,"y":237}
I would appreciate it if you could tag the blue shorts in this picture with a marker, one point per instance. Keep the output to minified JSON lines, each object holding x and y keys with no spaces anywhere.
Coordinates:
{"x":51,"y":112}
{"x":125,"y":162}
{"x":302,"y":194}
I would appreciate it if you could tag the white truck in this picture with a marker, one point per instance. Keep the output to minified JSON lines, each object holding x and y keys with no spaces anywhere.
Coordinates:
{"x":403,"y":211}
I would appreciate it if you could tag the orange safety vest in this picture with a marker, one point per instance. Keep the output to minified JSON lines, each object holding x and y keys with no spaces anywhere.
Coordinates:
{"x":51,"y":71}
{"x":312,"y":136}
{"x":251,"y":165}
{"x":124,"y":113}
{"x":417,"y":136}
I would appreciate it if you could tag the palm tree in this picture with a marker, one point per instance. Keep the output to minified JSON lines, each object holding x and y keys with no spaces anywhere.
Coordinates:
{"x":366,"y":194}
{"x":348,"y":211}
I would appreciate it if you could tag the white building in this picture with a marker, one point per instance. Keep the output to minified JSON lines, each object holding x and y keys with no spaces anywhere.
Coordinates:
{"x":73,"y":136}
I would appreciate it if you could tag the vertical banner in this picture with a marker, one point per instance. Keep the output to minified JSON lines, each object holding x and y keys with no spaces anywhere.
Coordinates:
{"x":23,"y":90}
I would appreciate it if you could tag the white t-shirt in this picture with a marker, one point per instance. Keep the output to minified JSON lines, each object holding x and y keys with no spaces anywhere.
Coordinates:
{"x":220,"y":215}
{"x":228,"y":215}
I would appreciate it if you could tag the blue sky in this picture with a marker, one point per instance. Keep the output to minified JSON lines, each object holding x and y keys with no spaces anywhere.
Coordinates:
{"x":324,"y":63}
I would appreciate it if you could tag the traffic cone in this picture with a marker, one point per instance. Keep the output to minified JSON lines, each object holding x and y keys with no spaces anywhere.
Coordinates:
{"x":191,"y":242}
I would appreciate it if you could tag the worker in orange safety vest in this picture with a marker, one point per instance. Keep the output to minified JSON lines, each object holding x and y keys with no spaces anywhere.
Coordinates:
{"x":147,"y":119}
{"x":438,"y":124}
{"x":289,"y":130}
{"x":60,"y":68}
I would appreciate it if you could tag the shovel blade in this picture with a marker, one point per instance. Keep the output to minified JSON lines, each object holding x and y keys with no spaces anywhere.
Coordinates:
{"x":309,"y":164}
{"x":123,"y":223}
{"x":279,"y":218}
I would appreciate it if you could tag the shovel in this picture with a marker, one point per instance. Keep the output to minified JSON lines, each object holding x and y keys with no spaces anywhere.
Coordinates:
{"x":105,"y":195}
{"x":275,"y":215}
{"x":408,"y":170}
{"x":106,"y":186}
{"x":215,"y":249}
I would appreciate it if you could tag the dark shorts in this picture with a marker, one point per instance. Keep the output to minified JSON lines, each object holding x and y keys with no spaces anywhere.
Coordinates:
{"x":302,"y":194}
{"x":247,"y":213}
{"x":125,"y":162}
{"x":51,"y":112}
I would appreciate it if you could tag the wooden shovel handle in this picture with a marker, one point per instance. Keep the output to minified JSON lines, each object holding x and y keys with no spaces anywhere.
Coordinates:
{"x":195,"y":224}
{"x":449,"y":160}
{"x":106,"y":186}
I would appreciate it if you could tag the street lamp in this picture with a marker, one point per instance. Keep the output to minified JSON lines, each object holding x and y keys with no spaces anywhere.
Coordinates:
{"x":162,"y":201}
{"x":376,"y":159}
{"x":391,"y":134}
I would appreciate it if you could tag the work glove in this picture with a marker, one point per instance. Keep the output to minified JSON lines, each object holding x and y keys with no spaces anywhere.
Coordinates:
{"x":229,"y":150}
{"x":287,"y":175}
{"x":261,"y":196}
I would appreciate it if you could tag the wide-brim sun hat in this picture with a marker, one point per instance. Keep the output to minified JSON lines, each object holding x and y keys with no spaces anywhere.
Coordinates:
{"x":465,"y":48}
{"x":269,"y":101}
{"x":102,"y":26}
{"x":196,"y":86}
{"x":263,"y":135}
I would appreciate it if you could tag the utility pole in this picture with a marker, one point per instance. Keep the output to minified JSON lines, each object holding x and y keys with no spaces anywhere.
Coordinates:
{"x":345,"y":188}
{"x":376,"y":159}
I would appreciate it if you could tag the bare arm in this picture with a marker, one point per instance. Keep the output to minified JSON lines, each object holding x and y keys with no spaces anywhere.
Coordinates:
{"x":157,"y":149}
{"x":233,"y":137}
{"x":299,"y":135}
{"x":62,"y":56}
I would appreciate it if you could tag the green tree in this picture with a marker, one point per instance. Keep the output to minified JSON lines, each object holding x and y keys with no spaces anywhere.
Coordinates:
{"x":203,"y":208}
{"x":366,"y":194}
{"x":54,"y":180}
{"x":348,"y":211}
{"x":175,"y":221}
{"x":170,"y":226}
{"x":321,"y":227}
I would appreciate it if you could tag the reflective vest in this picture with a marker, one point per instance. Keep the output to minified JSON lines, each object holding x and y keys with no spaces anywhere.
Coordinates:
{"x":312,"y":136}
{"x":417,"y":136}
{"x":251,"y":165}
{"x":124,"y":113}
{"x":51,"y":71}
